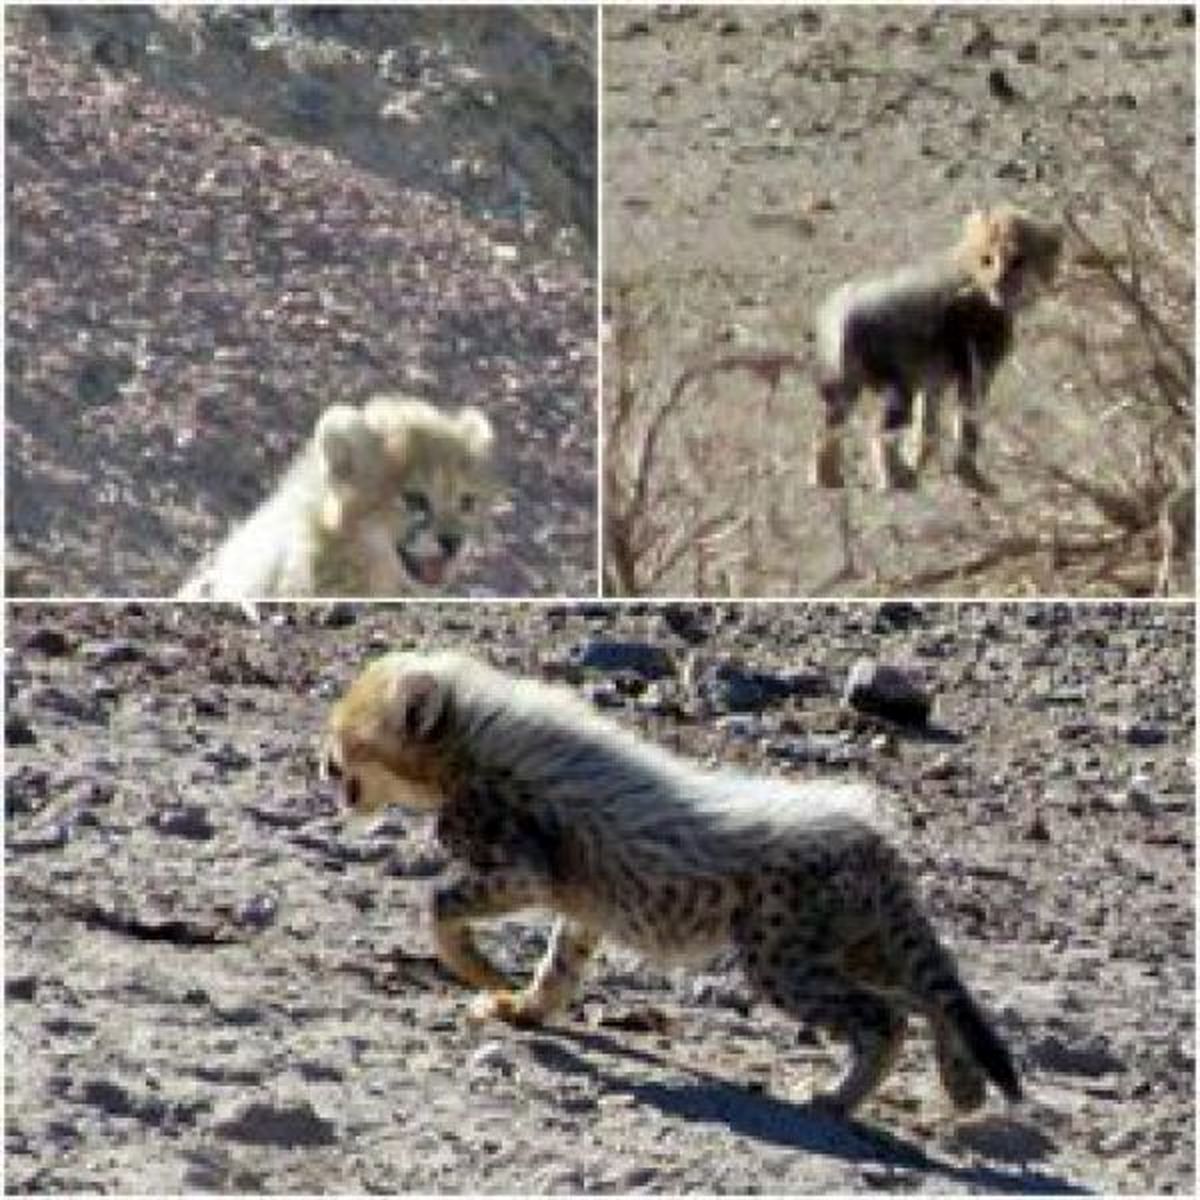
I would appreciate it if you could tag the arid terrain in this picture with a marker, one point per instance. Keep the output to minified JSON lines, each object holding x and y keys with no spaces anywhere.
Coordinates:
{"x":754,"y":158}
{"x":213,"y":984}
{"x":220,"y":221}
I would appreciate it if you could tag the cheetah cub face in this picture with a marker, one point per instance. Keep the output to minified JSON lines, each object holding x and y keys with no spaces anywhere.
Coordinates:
{"x":411,"y":482}
{"x":1010,"y":255}
{"x":384,"y":745}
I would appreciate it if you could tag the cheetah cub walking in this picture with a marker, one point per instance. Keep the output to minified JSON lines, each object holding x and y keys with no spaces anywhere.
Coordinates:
{"x":543,"y":804}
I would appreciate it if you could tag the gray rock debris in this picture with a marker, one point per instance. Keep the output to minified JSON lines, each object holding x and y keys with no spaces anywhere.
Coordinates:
{"x":290,"y":1124}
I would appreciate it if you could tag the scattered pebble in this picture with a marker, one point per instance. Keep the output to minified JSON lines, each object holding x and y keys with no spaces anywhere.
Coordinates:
{"x":827,"y":749}
{"x":17,"y":730}
{"x":290,"y":1125}
{"x":228,"y":758}
{"x":1090,"y":1058}
{"x":53,"y":643}
{"x":56,"y":837}
{"x":185,"y":821}
{"x":75,"y":706}
{"x":113,"y":653}
{"x":886,"y":691}
{"x":642,"y":659}
{"x":259,"y":912}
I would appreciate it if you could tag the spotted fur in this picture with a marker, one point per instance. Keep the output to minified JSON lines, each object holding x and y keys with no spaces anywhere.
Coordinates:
{"x":543,"y":804}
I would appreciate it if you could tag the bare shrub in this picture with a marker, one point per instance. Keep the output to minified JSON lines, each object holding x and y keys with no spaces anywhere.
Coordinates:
{"x":691,"y":497}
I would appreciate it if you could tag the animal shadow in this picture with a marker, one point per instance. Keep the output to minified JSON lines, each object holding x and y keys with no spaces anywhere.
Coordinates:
{"x":708,"y":1099}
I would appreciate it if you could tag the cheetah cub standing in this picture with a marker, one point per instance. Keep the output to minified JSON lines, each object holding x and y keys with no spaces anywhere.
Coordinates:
{"x":379,"y":503}
{"x":949,"y":320}
{"x":543,"y":804}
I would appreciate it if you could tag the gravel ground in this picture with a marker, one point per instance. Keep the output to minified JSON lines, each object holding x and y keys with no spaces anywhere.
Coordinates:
{"x":221,"y":221}
{"x":212,"y":985}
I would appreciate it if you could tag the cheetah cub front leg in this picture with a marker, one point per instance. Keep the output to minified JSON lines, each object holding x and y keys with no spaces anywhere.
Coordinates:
{"x":554,"y":983}
{"x":475,"y":897}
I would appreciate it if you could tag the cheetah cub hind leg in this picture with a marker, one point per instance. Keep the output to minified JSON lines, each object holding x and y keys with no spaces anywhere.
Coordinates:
{"x":874,"y":1032}
{"x":963,"y":1081}
{"x":872,"y":1028}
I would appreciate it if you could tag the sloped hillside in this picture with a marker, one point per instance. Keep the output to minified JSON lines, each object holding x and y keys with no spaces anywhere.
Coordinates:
{"x":221,"y":221}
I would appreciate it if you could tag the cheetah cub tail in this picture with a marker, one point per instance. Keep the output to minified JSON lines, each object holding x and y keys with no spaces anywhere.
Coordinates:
{"x":985,"y":1046}
{"x":966,"y":1045}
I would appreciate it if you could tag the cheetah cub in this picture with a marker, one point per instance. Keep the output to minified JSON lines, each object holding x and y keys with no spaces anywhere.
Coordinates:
{"x":949,"y":320}
{"x":544,"y":804}
{"x":380,"y":502}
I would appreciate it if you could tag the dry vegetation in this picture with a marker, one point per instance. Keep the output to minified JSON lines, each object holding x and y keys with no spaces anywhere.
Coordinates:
{"x":716,"y":505}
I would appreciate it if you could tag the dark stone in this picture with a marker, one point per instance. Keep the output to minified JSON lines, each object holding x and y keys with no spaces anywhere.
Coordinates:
{"x":643,"y":659}
{"x":228,"y":758}
{"x":339,"y":616}
{"x":1037,"y":831}
{"x":20,"y":987}
{"x":189,"y":821}
{"x":53,"y":643}
{"x":886,"y":691}
{"x":111,"y":654}
{"x":1090,"y":1060}
{"x":897,"y":614}
{"x":100,"y":378}
{"x":730,"y":687}
{"x":109,"y":1097}
{"x":287,"y":1125}
{"x":687,"y":621}
{"x":1000,"y":87}
{"x":26,"y":789}
{"x":1142,"y":733}
{"x":981,"y":43}
{"x":17,"y":730}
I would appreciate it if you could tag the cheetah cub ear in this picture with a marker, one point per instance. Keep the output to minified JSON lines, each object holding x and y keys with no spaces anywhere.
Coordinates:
{"x":476,"y":431}
{"x":418,"y":706}
{"x":350,"y":452}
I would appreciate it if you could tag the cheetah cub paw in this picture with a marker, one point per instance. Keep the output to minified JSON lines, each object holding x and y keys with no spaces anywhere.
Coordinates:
{"x":514,"y":1008}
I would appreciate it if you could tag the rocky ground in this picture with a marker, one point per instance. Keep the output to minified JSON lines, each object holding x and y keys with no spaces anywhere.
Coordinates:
{"x":756,"y":157}
{"x":221,"y":220}
{"x":212,"y":985}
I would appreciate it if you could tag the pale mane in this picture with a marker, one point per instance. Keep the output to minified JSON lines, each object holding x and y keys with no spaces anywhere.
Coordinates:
{"x":567,"y":754}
